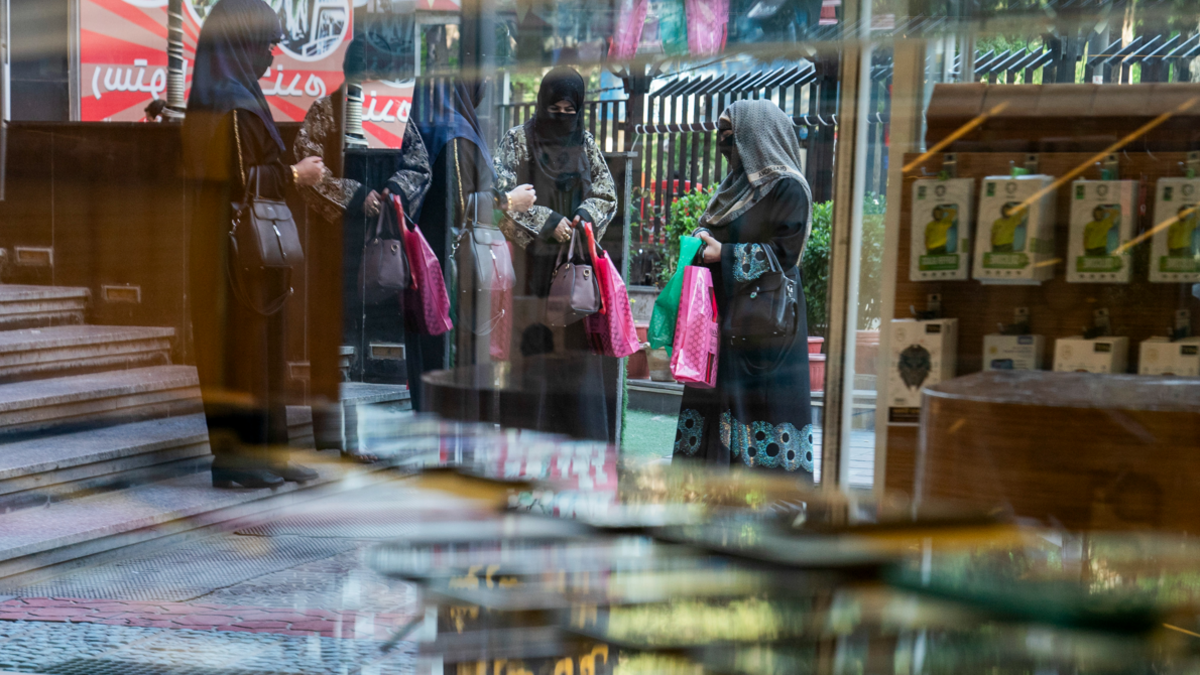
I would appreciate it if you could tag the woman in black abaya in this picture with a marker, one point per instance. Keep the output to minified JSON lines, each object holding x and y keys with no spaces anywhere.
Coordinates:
{"x":463,"y":193}
{"x":562,"y":161}
{"x":228,"y":135}
{"x":759,"y":415}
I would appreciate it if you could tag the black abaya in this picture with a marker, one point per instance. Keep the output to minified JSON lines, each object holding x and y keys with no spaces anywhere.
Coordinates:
{"x":760,"y":413}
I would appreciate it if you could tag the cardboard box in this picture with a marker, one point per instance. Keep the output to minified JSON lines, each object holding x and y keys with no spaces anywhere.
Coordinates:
{"x":1014,"y":241}
{"x":1175,"y":244}
{"x":1103,"y":221}
{"x":1013,"y":352}
{"x":923,"y":353}
{"x":941,"y":229}
{"x":1098,"y":355}
{"x":1160,"y":356}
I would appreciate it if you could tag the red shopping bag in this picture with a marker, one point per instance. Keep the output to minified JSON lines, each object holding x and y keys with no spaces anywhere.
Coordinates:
{"x":426,"y":303}
{"x":610,"y":331}
{"x":697,"y":331}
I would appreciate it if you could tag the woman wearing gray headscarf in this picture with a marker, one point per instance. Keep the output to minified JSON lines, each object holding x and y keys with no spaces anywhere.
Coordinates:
{"x":760,"y":412}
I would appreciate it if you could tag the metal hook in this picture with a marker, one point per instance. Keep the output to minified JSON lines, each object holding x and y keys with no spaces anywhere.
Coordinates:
{"x":1151,"y":154}
{"x":806,"y":122}
{"x":822,"y":120}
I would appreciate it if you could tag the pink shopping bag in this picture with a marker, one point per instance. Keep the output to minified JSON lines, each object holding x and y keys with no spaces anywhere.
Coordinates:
{"x":610,"y":331}
{"x":697,"y":331}
{"x":708,"y":22}
{"x":631,"y":18}
{"x":426,"y":303}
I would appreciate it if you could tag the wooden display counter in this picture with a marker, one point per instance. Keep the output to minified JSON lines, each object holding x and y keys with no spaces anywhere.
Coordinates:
{"x":1089,"y":451}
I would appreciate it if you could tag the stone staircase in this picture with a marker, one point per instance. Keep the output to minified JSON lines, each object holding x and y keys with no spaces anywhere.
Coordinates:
{"x":103,"y":441}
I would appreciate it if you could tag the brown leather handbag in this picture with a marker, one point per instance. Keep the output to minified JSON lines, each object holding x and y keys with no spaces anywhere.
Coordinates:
{"x":384,"y":270}
{"x":574,"y":291}
{"x":264,"y":247}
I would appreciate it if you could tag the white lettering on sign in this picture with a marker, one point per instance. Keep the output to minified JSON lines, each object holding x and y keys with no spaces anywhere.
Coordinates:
{"x":314,"y":86}
{"x":121,"y":78}
{"x":402,"y":107}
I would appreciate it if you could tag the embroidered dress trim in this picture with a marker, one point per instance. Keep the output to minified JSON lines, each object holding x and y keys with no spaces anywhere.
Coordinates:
{"x":689,"y":433}
{"x":749,"y":262}
{"x":766,"y":445}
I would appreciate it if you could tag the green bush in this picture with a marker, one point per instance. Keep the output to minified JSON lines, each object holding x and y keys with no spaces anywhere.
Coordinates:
{"x":815,"y":265}
{"x":814,"y":268}
{"x":685,"y":217}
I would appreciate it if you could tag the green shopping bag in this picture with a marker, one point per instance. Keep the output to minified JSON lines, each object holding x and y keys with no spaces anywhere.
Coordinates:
{"x":672,"y":28}
{"x":662,"y":323}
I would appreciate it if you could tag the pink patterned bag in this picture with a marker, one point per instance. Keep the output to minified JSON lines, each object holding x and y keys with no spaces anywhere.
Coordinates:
{"x":697,"y":331}
{"x":426,"y":303}
{"x":708,"y":24}
{"x":610,"y":331}
{"x":631,"y":18}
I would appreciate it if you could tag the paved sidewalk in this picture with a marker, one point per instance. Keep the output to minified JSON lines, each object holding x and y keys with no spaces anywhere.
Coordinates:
{"x":349,"y":624}
{"x":289,"y":594}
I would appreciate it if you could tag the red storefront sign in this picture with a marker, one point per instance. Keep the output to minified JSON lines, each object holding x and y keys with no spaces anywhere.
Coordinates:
{"x":123,"y":61}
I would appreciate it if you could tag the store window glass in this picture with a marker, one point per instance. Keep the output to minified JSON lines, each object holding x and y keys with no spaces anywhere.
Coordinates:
{"x":557,"y":336}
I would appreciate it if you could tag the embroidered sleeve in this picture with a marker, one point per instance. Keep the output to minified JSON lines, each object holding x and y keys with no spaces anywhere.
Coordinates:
{"x":521,"y":228}
{"x":411,"y":181}
{"x":601,"y":200}
{"x":331,"y":195}
{"x":749,"y":262}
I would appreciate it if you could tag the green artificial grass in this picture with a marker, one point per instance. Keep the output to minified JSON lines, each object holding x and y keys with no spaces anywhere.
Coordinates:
{"x":648,"y":435}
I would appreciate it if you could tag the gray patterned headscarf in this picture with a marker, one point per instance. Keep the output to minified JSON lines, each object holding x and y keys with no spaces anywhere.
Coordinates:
{"x":769,"y":151}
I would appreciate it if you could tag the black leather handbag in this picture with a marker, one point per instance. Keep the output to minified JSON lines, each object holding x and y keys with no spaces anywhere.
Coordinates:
{"x":264,"y":248}
{"x":384,"y":270}
{"x":766,"y":307}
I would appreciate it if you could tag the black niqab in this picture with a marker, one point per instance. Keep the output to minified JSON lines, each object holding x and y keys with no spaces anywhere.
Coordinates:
{"x":229,"y":53}
{"x":556,"y":142}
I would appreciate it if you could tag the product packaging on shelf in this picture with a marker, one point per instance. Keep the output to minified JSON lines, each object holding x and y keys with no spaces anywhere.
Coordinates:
{"x":941,"y":229}
{"x":1091,"y":355}
{"x":1160,"y":356}
{"x":1013,"y":352}
{"x":923,"y":353}
{"x":1175,"y":245}
{"x":1014,"y":242}
{"x":1103,"y":220}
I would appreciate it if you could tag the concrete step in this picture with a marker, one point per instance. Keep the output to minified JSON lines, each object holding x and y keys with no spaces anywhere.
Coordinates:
{"x":41,"y":306}
{"x":88,"y":526}
{"x":339,"y":427}
{"x":98,"y":399}
{"x":58,"y":350}
{"x":45,"y":470}
{"x":300,"y":426}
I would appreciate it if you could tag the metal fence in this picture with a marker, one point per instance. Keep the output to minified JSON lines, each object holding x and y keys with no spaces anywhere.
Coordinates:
{"x":676,"y":137}
{"x":676,"y":140}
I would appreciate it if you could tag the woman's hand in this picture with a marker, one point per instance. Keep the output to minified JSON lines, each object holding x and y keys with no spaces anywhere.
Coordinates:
{"x":372,"y":203}
{"x":712,"y":248}
{"x":521,"y":198}
{"x":562,"y":231}
{"x":309,"y":171}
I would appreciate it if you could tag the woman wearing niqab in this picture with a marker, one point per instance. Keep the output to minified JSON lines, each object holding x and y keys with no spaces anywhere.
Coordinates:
{"x":228,"y":134}
{"x":554,"y":153}
{"x":462,"y":194}
{"x":759,"y":415}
